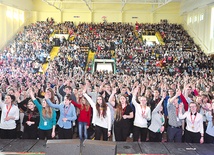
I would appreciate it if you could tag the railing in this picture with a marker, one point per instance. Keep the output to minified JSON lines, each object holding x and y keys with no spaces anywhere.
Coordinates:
{"x":159,"y":37}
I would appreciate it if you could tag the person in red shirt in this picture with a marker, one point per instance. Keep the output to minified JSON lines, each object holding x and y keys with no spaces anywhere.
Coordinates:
{"x":84,"y":117}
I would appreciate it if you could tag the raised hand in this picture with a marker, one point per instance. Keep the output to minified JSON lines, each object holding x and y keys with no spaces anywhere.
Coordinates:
{"x":31,"y":93}
{"x":178,"y":92}
{"x":46,"y":96}
{"x":135,"y":91}
{"x":114,"y":91}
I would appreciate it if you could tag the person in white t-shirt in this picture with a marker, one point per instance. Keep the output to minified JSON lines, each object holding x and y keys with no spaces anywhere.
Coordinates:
{"x":9,"y":115}
{"x":101,"y":116}
{"x":142,"y":116}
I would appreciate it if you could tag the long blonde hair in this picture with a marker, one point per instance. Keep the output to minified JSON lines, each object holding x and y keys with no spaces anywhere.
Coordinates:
{"x":119,"y":110}
{"x":47,"y":111}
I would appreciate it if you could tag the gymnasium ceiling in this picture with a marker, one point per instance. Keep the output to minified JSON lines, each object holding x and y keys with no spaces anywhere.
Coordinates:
{"x":91,"y":5}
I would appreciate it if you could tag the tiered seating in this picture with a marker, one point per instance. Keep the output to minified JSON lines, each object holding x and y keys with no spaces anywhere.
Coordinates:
{"x":53,"y":54}
{"x":159,"y":37}
{"x":84,"y":49}
{"x":90,"y":60}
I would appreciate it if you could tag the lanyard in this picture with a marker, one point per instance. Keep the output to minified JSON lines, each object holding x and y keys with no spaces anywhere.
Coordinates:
{"x":124,"y":109}
{"x":29,"y":117}
{"x":66,"y":111}
{"x":8,"y":109}
{"x":143,"y":110}
{"x":193,"y":121}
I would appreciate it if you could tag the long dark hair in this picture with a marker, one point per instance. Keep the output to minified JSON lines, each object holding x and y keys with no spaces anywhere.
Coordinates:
{"x":31,"y":113}
{"x":212,"y":114}
{"x":102,"y":107}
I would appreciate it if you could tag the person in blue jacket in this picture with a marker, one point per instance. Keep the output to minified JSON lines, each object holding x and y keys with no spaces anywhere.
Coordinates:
{"x":66,"y":118}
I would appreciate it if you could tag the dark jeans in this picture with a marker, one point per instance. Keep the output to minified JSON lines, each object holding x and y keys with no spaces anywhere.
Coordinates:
{"x":174,"y":134}
{"x":155,"y":136}
{"x":208,"y":138}
{"x":100,"y":131}
{"x":30,"y":134}
{"x":120,"y":132}
{"x":65,"y":133}
{"x":191,"y":137}
{"x":45,"y":134}
{"x":8,"y":134}
{"x":139,"y":133}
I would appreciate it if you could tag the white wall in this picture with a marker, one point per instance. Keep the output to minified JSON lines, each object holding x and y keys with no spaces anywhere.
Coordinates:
{"x":198,"y":28}
{"x":19,"y":4}
{"x":11,"y":22}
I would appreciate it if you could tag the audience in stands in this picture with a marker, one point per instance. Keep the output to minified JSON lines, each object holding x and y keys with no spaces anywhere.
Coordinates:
{"x":147,"y":71}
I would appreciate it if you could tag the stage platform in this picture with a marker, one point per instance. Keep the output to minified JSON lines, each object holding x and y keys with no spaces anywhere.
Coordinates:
{"x":42,"y":147}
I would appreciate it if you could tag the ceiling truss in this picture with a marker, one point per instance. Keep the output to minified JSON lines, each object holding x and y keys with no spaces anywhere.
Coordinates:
{"x":59,"y":4}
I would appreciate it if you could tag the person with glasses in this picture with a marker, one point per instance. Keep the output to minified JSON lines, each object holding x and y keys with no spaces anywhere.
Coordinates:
{"x":194,"y":132}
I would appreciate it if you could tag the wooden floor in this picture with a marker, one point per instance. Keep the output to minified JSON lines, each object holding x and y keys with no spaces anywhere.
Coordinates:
{"x":34,"y":147}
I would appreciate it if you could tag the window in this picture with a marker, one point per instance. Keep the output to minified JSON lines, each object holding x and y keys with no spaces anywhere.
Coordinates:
{"x":195,"y":19}
{"x":21,"y":16}
{"x":212,"y":24}
{"x":9,"y":13}
{"x":190,"y":19}
{"x":15,"y":14}
{"x":201,"y":17}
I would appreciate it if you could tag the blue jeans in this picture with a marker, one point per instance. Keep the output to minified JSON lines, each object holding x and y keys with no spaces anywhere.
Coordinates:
{"x":83,"y":129}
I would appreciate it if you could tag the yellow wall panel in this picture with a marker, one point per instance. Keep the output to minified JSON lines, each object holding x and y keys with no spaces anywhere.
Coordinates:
{"x":77,"y":17}
{"x":10,"y":23}
{"x":42,"y":6}
{"x":19,"y":4}
{"x":107,"y":7}
{"x":3,"y":37}
{"x":145,"y":8}
{"x":173,"y":7}
{"x":42,"y":16}
{"x":139,"y":17}
{"x":172,"y":18}
{"x":110,"y":16}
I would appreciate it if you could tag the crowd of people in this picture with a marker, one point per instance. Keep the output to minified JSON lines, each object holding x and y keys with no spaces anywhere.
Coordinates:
{"x":156,"y":89}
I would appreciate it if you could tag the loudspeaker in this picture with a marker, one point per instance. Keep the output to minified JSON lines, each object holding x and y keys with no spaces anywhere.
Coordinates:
{"x":97,"y":147}
{"x":128,"y":148}
{"x":153,"y":148}
{"x":63,"y":147}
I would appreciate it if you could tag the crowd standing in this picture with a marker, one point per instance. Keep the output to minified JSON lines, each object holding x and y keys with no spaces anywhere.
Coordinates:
{"x":155,"y":89}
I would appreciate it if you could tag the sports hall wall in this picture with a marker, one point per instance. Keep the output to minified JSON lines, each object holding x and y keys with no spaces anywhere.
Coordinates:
{"x":112,"y":12}
{"x":197,"y":18}
{"x":174,"y":12}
